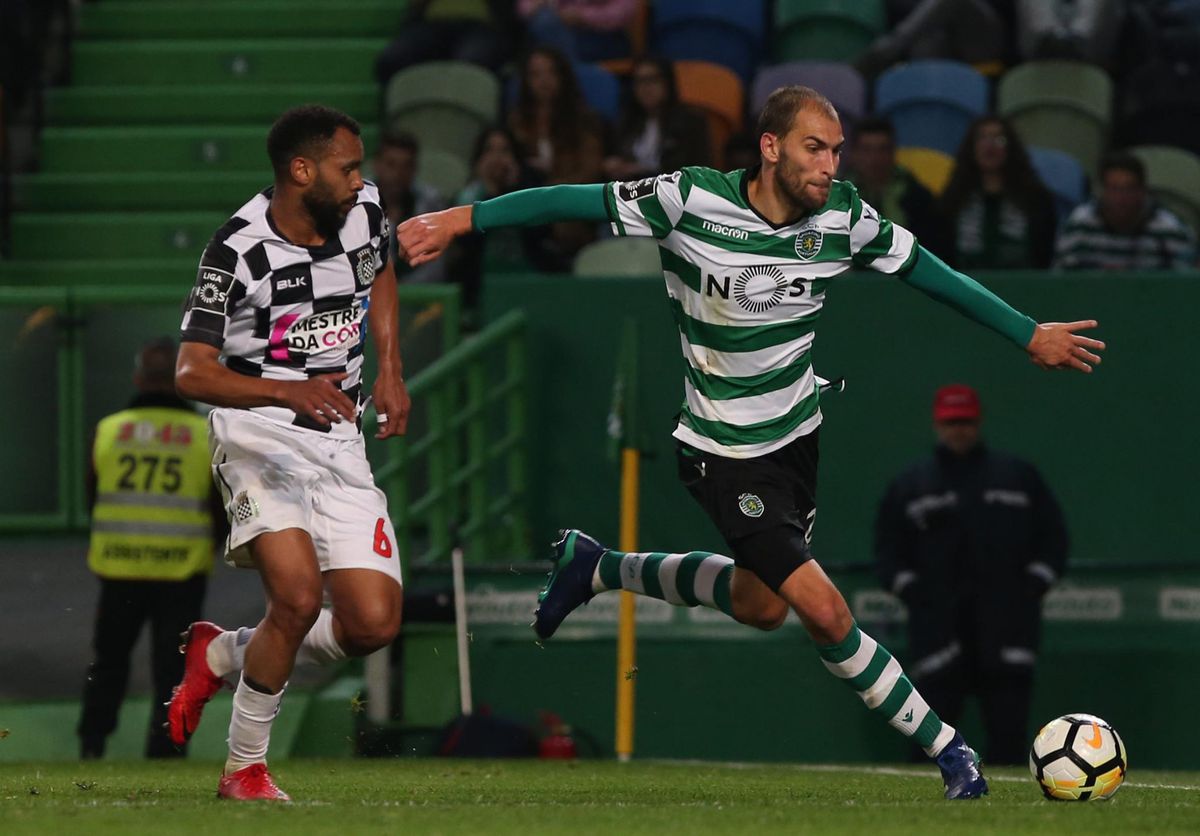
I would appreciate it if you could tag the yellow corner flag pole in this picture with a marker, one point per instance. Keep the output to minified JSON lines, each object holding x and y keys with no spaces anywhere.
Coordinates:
{"x":623,"y":431}
{"x":627,"y":626}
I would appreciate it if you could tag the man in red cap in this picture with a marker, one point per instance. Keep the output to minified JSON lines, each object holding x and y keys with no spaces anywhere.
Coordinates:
{"x":970,"y":539}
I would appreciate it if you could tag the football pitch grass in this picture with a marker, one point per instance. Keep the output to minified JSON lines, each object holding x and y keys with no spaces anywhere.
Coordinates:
{"x":536,"y":797}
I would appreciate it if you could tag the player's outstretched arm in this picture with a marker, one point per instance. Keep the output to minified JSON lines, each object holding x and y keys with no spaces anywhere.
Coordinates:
{"x":200,"y":376}
{"x":1051,"y":345}
{"x":389,"y":393}
{"x":425,"y":237}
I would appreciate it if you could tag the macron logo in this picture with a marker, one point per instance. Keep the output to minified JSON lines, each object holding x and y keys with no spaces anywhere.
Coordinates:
{"x":727,"y":231}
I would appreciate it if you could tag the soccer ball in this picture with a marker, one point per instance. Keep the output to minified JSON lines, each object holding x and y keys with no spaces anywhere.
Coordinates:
{"x":1078,"y":757}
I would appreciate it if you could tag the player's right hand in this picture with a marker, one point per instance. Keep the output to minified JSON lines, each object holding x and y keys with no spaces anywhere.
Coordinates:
{"x":320,"y":399}
{"x":1055,"y":345}
{"x":425,"y":237}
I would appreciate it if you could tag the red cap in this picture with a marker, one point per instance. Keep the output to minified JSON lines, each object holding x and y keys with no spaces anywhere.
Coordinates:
{"x":956,"y":402}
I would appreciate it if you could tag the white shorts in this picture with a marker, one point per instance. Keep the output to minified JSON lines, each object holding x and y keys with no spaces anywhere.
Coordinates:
{"x":273,"y":477}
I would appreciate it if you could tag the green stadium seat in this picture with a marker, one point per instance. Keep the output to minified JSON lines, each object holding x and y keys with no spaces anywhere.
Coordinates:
{"x":635,"y":257}
{"x":444,"y":103}
{"x":1063,"y":105}
{"x":444,"y":171}
{"x":122,"y":235}
{"x":127,"y":19}
{"x":166,"y":149}
{"x":826,"y":30}
{"x":192,"y":62}
{"x":137,"y":192}
{"x":179,"y":271}
{"x":227,"y":104}
{"x":1173,"y":176}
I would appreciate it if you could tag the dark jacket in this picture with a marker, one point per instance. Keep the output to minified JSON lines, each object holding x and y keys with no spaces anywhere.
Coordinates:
{"x":685,"y":139}
{"x":971,"y":544}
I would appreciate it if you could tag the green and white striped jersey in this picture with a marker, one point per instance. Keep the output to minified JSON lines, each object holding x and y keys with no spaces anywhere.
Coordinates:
{"x":746,"y":296}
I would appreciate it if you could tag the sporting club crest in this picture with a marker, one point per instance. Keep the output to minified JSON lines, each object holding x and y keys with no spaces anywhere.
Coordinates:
{"x":808,"y":243}
{"x":751,"y":505}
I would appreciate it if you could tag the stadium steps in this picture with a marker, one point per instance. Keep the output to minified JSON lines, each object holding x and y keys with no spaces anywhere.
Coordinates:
{"x":137,"y":192}
{"x":96,"y":235}
{"x":203,"y":104}
{"x":179,"y":271}
{"x":160,"y":148}
{"x":115,"y":19}
{"x":219,"y":61}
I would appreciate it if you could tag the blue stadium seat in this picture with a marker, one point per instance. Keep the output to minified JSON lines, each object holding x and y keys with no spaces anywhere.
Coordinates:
{"x":840,"y":83}
{"x":601,"y":89}
{"x":931,"y":103}
{"x":1063,"y":176}
{"x":717,"y":31}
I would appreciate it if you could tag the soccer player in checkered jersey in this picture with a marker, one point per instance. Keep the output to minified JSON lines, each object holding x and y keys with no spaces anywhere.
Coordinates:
{"x":747,"y":256}
{"x":273,"y":336}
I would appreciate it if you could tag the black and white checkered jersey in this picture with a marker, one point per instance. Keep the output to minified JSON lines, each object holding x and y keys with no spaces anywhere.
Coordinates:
{"x":284,"y":311}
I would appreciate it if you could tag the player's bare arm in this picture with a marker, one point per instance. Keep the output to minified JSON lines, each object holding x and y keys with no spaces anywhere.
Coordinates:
{"x":390,"y":394}
{"x":1055,"y":345}
{"x":200,"y":376}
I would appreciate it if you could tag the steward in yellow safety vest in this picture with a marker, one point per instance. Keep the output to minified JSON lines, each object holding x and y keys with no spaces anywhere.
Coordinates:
{"x":155,"y":515}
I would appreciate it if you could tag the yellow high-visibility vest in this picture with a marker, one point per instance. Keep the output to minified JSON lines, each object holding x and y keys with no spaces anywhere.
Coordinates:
{"x":151,"y":520}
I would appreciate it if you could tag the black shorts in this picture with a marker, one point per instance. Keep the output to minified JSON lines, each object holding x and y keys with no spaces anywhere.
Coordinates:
{"x":776,"y":493}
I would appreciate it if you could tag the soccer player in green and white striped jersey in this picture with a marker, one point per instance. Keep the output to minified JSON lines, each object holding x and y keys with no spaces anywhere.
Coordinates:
{"x":747,"y":257}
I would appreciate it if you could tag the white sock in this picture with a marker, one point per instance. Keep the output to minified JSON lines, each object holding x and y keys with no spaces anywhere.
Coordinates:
{"x":226,"y":654}
{"x":319,"y":646}
{"x":250,"y":726}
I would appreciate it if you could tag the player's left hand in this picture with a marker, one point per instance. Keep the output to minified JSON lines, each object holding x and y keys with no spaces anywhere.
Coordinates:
{"x":1055,"y":345}
{"x":391,"y":403}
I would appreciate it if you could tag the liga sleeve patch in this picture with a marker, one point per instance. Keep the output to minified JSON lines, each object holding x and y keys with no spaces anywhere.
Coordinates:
{"x":211,"y":292}
{"x":634,"y":190}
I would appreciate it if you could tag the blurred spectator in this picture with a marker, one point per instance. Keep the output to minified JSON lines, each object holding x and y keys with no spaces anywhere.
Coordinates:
{"x":1074,"y":30}
{"x":560,"y":140}
{"x":971,"y":31}
{"x":494,"y":171}
{"x":584,"y":30}
{"x":971,"y":539}
{"x":891,"y":188}
{"x":999,"y":215}
{"x":657,"y":132}
{"x":437,"y":30}
{"x":156,"y":515}
{"x":403,"y":195}
{"x":1123,"y":229}
{"x":395,"y":166}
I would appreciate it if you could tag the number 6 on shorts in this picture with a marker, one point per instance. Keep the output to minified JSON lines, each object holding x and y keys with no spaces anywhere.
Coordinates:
{"x":383,"y":546}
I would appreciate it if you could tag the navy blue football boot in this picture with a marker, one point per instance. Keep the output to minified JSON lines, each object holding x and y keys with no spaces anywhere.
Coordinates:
{"x":960,"y":770}
{"x":570,"y":581}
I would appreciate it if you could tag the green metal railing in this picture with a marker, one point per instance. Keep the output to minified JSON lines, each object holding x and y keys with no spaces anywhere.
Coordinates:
{"x":459,"y":477}
{"x":89,"y":374}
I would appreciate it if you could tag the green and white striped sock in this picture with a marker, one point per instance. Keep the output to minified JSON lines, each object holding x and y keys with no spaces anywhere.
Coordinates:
{"x":685,"y":580}
{"x":867,"y":667}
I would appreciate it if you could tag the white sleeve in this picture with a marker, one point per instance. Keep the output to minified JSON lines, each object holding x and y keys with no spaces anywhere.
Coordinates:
{"x":645,"y":208}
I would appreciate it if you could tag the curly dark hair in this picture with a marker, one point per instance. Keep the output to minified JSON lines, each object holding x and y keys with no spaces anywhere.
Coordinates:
{"x":1021,"y":182}
{"x":305,"y":131}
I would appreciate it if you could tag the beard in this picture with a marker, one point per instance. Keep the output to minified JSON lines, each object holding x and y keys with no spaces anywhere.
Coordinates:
{"x":328,"y":216}
{"x":791,"y":182}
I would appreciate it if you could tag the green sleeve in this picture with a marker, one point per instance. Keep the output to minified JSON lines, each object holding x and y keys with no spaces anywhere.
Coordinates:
{"x":532,"y":207}
{"x":933,"y":277}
